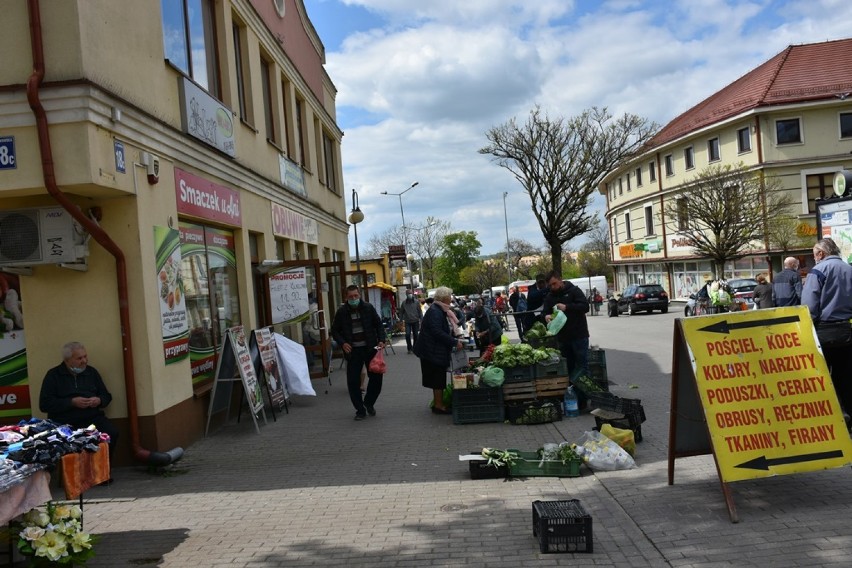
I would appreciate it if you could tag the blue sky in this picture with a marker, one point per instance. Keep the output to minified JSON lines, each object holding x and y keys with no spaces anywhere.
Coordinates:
{"x":420,"y":82}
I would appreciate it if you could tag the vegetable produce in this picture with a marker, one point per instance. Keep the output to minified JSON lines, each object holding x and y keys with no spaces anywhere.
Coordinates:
{"x":537,"y":331}
{"x":498,"y":458}
{"x":563,"y":452}
{"x":586,"y":384}
{"x":538,"y":414}
{"x":519,"y":355}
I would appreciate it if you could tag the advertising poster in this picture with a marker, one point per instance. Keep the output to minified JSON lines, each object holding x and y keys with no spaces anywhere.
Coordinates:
{"x":14,"y":378}
{"x":271,"y":370}
{"x":288,"y":294}
{"x":245,"y":365}
{"x":770,"y":406}
{"x":172,"y":295}
{"x":834,"y":220}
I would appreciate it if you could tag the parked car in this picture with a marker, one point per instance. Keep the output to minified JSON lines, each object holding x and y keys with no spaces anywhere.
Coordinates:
{"x":643,"y":297}
{"x":742,"y":290}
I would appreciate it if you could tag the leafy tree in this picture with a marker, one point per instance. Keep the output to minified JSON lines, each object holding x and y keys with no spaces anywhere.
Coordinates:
{"x":784,"y":234}
{"x":559,"y":163}
{"x":725,"y":211}
{"x":482,"y":275}
{"x":519,"y":249}
{"x":458,"y":251}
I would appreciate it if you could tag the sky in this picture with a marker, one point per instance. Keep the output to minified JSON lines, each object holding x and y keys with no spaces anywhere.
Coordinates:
{"x":421,"y":82}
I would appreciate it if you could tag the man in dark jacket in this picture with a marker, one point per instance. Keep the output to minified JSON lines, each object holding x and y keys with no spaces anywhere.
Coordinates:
{"x":358,"y":329}
{"x":412,"y":315}
{"x":74,"y":393}
{"x":514,"y":301}
{"x":573,"y":338}
{"x":535,"y":298}
{"x":787,"y":284}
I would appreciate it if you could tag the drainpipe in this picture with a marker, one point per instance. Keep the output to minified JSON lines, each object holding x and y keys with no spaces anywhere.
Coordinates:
{"x":102,"y":238}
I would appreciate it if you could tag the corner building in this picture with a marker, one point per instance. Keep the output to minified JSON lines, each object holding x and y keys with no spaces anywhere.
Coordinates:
{"x":791,"y":118}
{"x":211,"y":122}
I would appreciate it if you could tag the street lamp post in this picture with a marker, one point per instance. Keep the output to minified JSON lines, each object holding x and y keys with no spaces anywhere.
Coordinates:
{"x":355,"y":217}
{"x":404,"y":231}
{"x":506,"y":220}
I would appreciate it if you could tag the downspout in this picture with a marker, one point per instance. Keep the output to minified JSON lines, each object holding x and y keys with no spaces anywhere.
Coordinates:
{"x":33,"y":84}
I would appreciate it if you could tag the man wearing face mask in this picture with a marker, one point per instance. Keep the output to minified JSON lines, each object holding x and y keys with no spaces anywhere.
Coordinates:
{"x":74,"y":393}
{"x":412,"y":315}
{"x":358,"y":329}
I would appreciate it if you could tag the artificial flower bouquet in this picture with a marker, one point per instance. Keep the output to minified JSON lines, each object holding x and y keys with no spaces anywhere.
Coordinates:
{"x":54,"y":536}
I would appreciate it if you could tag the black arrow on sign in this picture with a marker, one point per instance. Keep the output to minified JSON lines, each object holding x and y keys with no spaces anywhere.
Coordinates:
{"x":725,"y":327}
{"x":764,"y":463}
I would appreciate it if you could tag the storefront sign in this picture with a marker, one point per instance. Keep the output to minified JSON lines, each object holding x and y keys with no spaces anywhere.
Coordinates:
{"x":8,"y":160}
{"x":292,"y":176}
{"x":172,"y":294}
{"x":292,"y":225}
{"x":202,"y":198}
{"x":770,"y":405}
{"x":680,"y":244}
{"x":288,"y":294}
{"x":805,"y":230}
{"x":629,"y":251}
{"x":205,"y":118}
{"x":653,"y":246}
{"x":396,"y":252}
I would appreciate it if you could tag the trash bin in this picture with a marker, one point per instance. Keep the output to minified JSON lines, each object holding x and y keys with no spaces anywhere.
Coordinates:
{"x":612,"y":308}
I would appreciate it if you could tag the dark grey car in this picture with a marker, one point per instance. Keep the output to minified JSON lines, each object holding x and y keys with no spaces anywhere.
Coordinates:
{"x":643,"y":297}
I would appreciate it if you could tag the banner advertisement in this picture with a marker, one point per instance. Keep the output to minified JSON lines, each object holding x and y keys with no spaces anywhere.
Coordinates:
{"x":14,"y":377}
{"x":288,"y":294}
{"x":269,"y":358}
{"x":245,"y":365}
{"x":172,"y":294}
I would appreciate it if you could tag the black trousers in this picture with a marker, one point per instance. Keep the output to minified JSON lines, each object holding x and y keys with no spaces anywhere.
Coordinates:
{"x":358,"y":358}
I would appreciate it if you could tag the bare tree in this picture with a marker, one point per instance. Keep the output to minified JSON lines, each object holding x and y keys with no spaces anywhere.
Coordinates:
{"x":518,"y":249}
{"x":725,"y":211}
{"x":425,"y":243}
{"x":784,"y":234}
{"x":378,"y":244}
{"x":559,"y":163}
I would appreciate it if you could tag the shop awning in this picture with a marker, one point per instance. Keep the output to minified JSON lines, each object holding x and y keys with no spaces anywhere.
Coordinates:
{"x":383,"y":286}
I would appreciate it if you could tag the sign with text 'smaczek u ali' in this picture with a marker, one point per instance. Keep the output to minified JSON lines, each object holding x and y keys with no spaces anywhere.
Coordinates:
{"x":762,"y":385}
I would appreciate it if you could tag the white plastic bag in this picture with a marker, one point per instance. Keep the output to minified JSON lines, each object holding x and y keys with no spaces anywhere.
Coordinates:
{"x":601,"y":453}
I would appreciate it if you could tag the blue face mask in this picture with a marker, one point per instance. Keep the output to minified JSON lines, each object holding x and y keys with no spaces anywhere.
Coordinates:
{"x":354,"y":303}
{"x":77,"y":370}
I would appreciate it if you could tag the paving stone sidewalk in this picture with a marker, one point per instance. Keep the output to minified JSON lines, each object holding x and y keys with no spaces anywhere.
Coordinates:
{"x":316,"y":488}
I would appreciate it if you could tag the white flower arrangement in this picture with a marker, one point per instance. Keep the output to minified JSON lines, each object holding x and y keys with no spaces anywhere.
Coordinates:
{"x":54,"y":537}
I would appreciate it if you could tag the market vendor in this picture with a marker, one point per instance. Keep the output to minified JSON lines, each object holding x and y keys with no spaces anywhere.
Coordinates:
{"x":74,"y":393}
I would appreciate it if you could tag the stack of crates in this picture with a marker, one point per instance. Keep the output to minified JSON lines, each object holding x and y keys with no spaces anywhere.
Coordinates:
{"x":633,"y":415}
{"x":597,"y":368}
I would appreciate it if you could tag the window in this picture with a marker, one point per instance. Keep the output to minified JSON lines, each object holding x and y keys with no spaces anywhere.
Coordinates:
{"x":689,"y":158}
{"x":649,"y":220}
{"x":846,"y":124}
{"x":788,"y":131}
{"x":241,"y":79}
{"x":628,"y":181}
{"x":328,"y":158}
{"x":614,"y":230}
{"x":669,"y":165}
{"x":713,"y":153}
{"x":627,"y":225}
{"x":266,"y":85}
{"x":743,"y":140}
{"x":682,"y":214}
{"x":638,"y":177}
{"x":189,"y":40}
{"x":285,"y":113}
{"x":620,"y":187}
{"x":652,"y":171}
{"x":820,"y":186}
{"x":300,"y":133}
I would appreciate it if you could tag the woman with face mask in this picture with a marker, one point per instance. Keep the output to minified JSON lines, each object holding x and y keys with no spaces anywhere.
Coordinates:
{"x":358,"y":329}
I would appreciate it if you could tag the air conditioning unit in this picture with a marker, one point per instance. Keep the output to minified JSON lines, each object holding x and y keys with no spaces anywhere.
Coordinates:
{"x":44,"y":235}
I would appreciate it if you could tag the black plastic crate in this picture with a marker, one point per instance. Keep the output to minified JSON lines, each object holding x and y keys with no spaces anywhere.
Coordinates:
{"x":552,"y":369}
{"x":597,"y":356}
{"x":474,"y":406}
{"x":609,"y":401}
{"x":518,"y":374}
{"x":534,"y":412}
{"x":543,"y":342}
{"x":631,"y":421}
{"x":562,"y":526}
{"x":598,"y":373}
{"x":481,"y":470}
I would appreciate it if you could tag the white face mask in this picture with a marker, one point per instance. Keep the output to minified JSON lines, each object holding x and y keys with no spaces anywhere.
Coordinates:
{"x":76,"y":370}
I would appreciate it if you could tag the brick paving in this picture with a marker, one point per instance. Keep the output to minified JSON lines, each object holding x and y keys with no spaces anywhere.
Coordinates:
{"x":316,"y":488}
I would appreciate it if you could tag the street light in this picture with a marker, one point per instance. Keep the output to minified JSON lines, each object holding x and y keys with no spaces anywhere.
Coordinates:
{"x":506,"y":219}
{"x":355,"y":217}
{"x":404,"y":232}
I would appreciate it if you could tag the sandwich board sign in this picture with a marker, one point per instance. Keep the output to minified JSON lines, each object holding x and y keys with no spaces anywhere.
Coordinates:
{"x":753,"y":389}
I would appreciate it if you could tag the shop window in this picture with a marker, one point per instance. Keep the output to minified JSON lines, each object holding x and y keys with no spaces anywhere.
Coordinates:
{"x":846,"y":124}
{"x":209,"y":275}
{"x":788,"y":131}
{"x":713,"y":152}
{"x":743,"y":140}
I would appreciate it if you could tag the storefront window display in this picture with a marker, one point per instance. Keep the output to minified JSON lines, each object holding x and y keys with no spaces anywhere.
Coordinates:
{"x":689,"y":277}
{"x":211,"y":293}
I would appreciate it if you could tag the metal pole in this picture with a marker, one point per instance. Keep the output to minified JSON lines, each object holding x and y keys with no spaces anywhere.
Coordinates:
{"x":355,"y":217}
{"x":405,"y":241}
{"x":506,"y":219}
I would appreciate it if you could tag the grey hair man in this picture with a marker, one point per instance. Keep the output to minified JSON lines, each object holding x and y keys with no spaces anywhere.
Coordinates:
{"x":787,"y":284}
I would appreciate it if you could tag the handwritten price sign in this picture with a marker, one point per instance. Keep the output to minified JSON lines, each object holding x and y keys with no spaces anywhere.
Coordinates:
{"x":288,"y":294}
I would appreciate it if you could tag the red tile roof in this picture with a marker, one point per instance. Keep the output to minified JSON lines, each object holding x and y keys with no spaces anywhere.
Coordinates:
{"x":800,"y":73}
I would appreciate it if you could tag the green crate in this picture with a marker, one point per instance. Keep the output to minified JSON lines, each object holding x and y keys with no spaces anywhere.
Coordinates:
{"x":552,"y":369}
{"x":527,"y":465}
{"x":518,"y":374}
